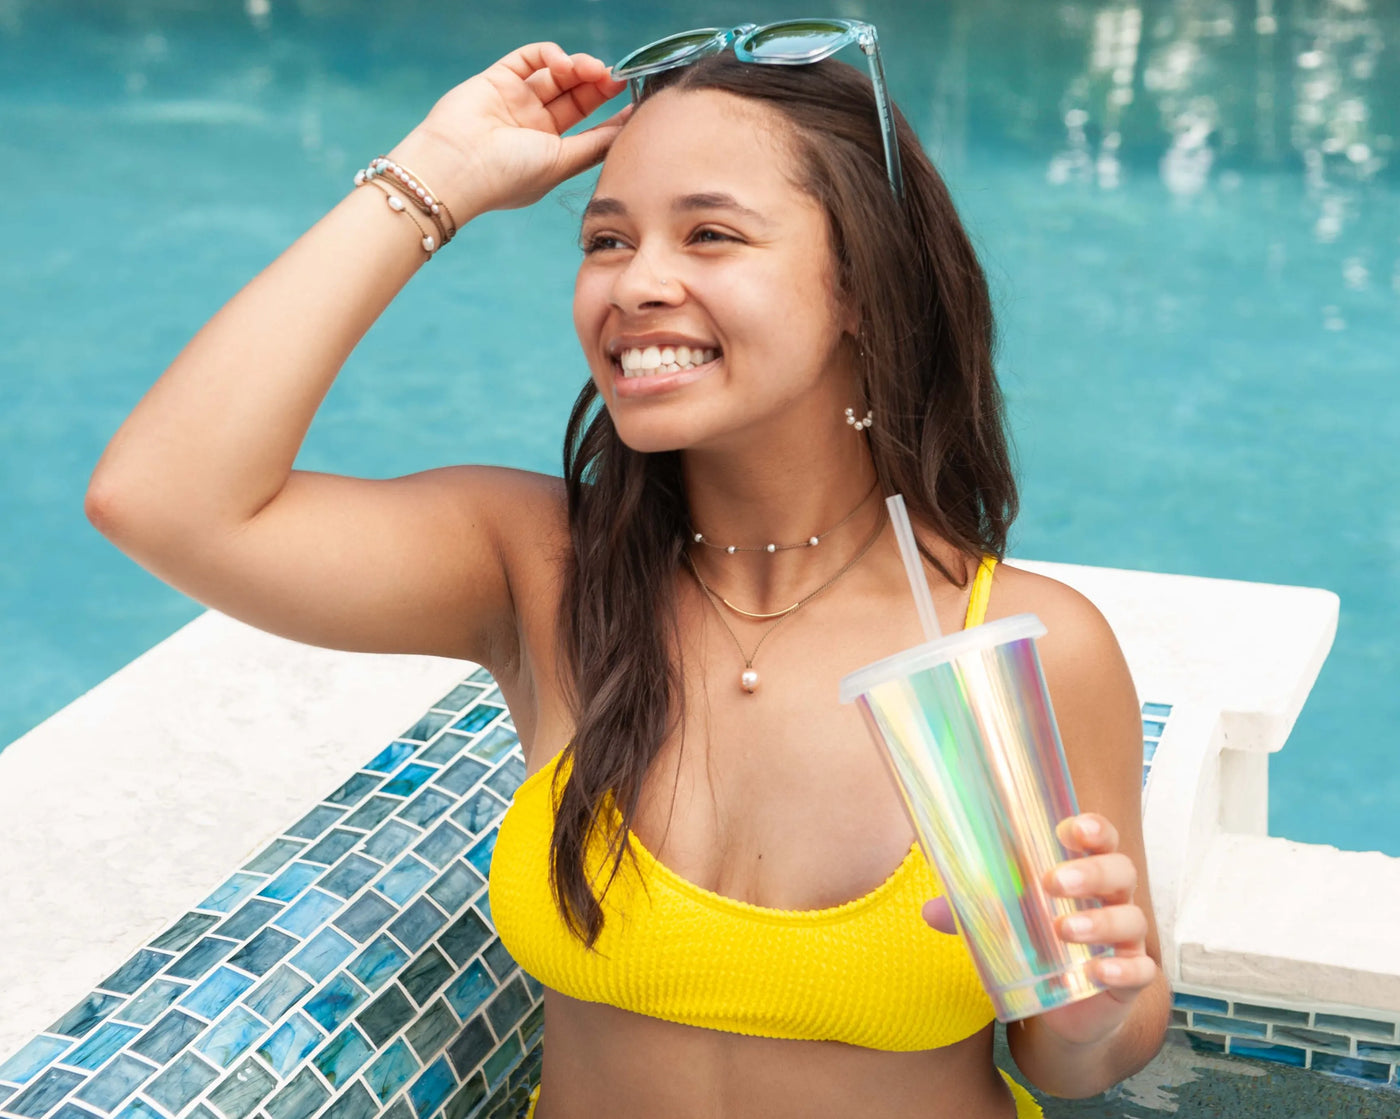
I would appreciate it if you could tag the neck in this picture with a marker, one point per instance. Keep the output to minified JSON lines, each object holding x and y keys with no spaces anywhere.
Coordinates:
{"x":781,"y":496}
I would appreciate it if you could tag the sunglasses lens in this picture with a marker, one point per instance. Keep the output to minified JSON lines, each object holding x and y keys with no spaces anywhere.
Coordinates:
{"x":665,"y":53}
{"x":795,"y":40}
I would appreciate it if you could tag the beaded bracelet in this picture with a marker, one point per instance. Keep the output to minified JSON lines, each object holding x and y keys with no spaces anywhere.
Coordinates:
{"x":382,"y":168}
{"x":430,"y":243}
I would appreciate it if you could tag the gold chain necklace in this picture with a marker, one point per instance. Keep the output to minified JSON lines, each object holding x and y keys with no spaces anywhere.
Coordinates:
{"x":748,"y":679}
{"x":810,"y":542}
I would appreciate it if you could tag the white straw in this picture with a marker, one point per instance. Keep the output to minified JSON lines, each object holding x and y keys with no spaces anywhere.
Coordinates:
{"x":913,"y":566}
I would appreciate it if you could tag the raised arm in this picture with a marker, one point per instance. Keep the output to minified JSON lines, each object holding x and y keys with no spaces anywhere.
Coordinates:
{"x":197,"y":485}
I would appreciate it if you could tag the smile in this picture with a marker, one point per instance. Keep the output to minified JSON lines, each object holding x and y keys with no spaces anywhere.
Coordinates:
{"x":651,"y":361}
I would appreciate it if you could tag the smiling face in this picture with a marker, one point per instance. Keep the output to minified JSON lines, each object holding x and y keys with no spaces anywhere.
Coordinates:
{"x":705,"y":302}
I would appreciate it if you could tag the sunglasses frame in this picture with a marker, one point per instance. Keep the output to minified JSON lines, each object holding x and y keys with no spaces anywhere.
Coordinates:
{"x":829,"y":36}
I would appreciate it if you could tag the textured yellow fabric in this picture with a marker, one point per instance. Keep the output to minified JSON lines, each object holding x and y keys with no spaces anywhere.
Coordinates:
{"x":1026,"y":1107}
{"x":869,"y":972}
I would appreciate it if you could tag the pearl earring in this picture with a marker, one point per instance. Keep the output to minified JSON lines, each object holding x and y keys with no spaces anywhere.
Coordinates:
{"x":859,"y":425}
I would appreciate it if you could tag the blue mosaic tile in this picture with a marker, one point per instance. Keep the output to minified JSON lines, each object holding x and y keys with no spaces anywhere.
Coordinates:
{"x":462,"y":775}
{"x":231,"y":892}
{"x":1152,"y":729}
{"x":201,"y":1112}
{"x":465,"y":937}
{"x":36,"y":1055}
{"x":128,"y":978}
{"x":349,"y":876}
{"x":291,"y":881}
{"x":426,"y":727}
{"x":290,"y":1044}
{"x":372,"y":813}
{"x":242,"y":1090}
{"x":1200,"y":1002}
{"x":477,"y":718}
{"x":404,"y":879}
{"x":1221,"y":1024}
{"x":498,"y":959}
{"x":275,"y":856}
{"x":249,"y":918}
{"x":354,"y":1103}
{"x":390,"y":840}
{"x":425,"y":975}
{"x":508,"y":778}
{"x":217,"y":993}
{"x":263,"y":952}
{"x":385,"y":1016}
{"x":152,"y":1002}
{"x":315,"y":822}
{"x":43,"y":1094}
{"x":459,"y":697}
{"x":112,"y":1085}
{"x":378,"y":963}
{"x":1312,"y":1039}
{"x":399,"y":1109}
{"x":136,"y":1109}
{"x":1157,"y":710}
{"x":468,"y":1098}
{"x":1280,"y":1054}
{"x":365,"y":918}
{"x":448,"y":746}
{"x":390,"y":758}
{"x":336,"y":1001}
{"x":95,"y":1052}
{"x":478,"y":813}
{"x":455,"y":887}
{"x":73,"y":1111}
{"x":1372,"y":1071}
{"x":417,"y":924}
{"x":277,"y":994}
{"x":354,"y":790}
{"x":391,"y":1071}
{"x":167,"y":1037}
{"x":426,"y":807}
{"x":181,"y":1082}
{"x":483,"y":903}
{"x":202,"y":958}
{"x":481,"y":676}
{"x":496,"y":743}
{"x":88,"y":1013}
{"x":309,"y":912}
{"x":443,"y":844}
{"x":1363,"y":1027}
{"x":430,"y":1091}
{"x":509,"y":1007}
{"x":480,"y":855}
{"x":231,"y":1036}
{"x":300,"y":1099}
{"x":408,"y":780}
{"x":343,"y":1056}
{"x":325,"y":952}
{"x":1271,"y":1014}
{"x":185,"y":932}
{"x":470,"y":990}
{"x":535,"y":987}
{"x":333,"y":847}
{"x":532,"y":1029}
{"x":433,"y":1029}
{"x":505,"y":1058}
{"x":1377,"y":1052}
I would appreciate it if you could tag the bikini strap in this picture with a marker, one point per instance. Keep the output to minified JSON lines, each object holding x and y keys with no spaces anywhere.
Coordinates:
{"x":981,"y":592}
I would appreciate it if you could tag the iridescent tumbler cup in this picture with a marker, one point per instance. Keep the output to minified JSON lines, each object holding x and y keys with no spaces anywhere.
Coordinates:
{"x":966,"y":725}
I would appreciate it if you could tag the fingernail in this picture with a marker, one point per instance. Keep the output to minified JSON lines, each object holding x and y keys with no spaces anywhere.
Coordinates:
{"x":1089,"y":829}
{"x":1078,"y":926}
{"x":1069,"y":879}
{"x":1110,"y":970}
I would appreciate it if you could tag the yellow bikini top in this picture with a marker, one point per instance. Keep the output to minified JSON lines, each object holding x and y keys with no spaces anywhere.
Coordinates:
{"x":869,"y":972}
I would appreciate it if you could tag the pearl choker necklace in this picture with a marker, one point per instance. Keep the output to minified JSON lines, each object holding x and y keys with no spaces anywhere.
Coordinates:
{"x":810,"y":542}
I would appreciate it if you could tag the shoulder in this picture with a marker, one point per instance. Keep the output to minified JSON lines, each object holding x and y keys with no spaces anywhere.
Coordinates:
{"x":1074,"y":625}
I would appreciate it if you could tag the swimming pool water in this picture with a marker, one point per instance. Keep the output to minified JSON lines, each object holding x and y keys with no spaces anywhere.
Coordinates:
{"x":1188,"y":212}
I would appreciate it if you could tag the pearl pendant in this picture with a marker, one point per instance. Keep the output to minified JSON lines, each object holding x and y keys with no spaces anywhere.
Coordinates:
{"x":748,"y":680}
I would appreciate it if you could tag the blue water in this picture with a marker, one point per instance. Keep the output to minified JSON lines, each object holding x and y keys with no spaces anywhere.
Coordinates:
{"x":1191,"y":229}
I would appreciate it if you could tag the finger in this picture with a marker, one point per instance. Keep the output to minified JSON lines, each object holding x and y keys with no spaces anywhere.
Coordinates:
{"x":577,"y":103}
{"x":1109,"y":924}
{"x":1112,"y":876}
{"x":939,"y":914}
{"x":1124,"y":973}
{"x":1088,"y":832}
{"x":578,"y":153}
{"x":530,"y":58}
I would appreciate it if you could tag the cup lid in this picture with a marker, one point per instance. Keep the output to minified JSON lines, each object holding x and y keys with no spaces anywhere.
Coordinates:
{"x":921,"y":657}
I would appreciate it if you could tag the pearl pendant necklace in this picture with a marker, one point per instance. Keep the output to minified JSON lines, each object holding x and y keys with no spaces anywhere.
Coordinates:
{"x":810,"y":542}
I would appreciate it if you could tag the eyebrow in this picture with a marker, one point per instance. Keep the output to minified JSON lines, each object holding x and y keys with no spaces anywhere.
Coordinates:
{"x":706,"y":200}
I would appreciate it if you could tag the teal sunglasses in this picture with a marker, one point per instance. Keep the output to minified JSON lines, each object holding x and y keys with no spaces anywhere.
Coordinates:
{"x":793,"y":42}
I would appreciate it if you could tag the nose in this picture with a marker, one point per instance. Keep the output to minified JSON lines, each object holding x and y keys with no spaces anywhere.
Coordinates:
{"x":643,"y":284}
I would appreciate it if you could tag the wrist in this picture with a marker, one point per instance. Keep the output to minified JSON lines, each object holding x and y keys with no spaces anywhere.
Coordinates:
{"x":452,"y":175}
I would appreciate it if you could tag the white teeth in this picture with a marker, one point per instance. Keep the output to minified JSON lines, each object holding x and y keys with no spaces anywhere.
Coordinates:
{"x":662,"y":359}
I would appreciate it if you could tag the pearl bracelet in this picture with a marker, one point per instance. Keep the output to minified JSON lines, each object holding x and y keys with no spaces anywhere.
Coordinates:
{"x":398,"y":184}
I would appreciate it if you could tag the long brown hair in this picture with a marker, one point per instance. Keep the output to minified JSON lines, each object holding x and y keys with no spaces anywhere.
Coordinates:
{"x":926,"y":343}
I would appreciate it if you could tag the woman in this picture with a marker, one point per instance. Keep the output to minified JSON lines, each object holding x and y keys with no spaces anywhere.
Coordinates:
{"x":777,"y":338}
